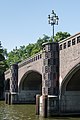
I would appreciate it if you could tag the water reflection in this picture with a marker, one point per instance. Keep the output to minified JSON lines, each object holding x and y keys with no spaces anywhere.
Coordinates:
{"x":16,"y":112}
{"x":23,"y":112}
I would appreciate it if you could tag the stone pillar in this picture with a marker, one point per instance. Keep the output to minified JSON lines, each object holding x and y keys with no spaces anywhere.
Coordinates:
{"x":45,"y":104}
{"x":6,"y":97}
{"x":9,"y":98}
{"x":50,"y":76}
{"x":50,"y":69}
{"x":37,"y":104}
{"x":14,"y":84}
{"x":43,"y":110}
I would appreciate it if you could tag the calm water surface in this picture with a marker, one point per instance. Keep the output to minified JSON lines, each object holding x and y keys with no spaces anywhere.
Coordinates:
{"x":23,"y":112}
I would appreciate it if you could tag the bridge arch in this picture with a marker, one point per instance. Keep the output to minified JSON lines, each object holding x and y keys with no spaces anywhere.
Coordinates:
{"x":65,"y":85}
{"x":70,"y":90}
{"x":30,"y":85}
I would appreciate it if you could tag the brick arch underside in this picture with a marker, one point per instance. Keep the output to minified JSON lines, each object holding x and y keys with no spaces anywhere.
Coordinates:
{"x":70,"y":91}
{"x":31,"y":84}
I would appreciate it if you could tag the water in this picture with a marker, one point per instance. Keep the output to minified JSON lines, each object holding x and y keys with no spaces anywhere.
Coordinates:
{"x":24,"y":112}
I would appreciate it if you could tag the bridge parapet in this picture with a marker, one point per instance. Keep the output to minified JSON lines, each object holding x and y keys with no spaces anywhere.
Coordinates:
{"x":25,"y":62}
{"x":7,"y":74}
{"x":70,"y":41}
{"x":8,"y":71}
{"x":69,"y":54}
{"x":30,"y":59}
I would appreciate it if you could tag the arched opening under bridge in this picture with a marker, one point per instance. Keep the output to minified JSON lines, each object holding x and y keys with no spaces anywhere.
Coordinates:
{"x":70,"y":91}
{"x":31,"y":84}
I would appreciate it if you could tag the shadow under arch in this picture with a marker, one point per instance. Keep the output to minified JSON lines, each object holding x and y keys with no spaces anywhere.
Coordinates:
{"x":7,"y":85}
{"x":70,"y":91}
{"x":72,"y":73}
{"x":30,"y":85}
{"x":31,"y":76}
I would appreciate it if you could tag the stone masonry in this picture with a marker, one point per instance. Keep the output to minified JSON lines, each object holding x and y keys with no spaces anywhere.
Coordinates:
{"x":59,"y":66}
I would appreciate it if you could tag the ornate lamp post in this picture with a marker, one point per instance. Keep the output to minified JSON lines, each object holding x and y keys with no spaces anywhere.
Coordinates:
{"x":53,"y":20}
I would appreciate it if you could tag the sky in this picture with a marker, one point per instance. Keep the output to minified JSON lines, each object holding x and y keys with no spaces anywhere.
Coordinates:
{"x":25,"y":21}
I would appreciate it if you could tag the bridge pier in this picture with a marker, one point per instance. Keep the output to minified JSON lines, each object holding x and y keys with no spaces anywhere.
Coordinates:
{"x":14,"y":98}
{"x":37,"y":104}
{"x":49,"y":101}
{"x":14,"y":84}
{"x":50,"y":68}
{"x":6,"y":97}
{"x":11,"y":96}
{"x":47,"y":105}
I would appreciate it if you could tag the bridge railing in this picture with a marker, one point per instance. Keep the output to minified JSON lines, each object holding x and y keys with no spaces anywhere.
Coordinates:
{"x":70,"y":41}
{"x":27,"y":61}
{"x":7,"y":72}
{"x":31,"y":59}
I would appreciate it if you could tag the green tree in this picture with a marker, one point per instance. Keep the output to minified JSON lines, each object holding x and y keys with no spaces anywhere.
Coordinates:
{"x":3,"y":66}
{"x":35,"y":49}
{"x":2,"y":60}
{"x":24,"y":52}
{"x":29,"y":49}
{"x":38,"y":45}
{"x":42,"y":40}
{"x":60,"y":36}
{"x":13,"y":56}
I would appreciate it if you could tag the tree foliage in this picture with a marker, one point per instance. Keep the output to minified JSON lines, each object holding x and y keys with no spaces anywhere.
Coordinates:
{"x":17,"y":55}
{"x":3,"y":67}
{"x":2,"y":60}
{"x":60,"y":36}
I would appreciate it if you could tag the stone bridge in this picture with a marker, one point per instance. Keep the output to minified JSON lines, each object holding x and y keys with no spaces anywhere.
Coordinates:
{"x":69,"y":74}
{"x":29,"y":78}
{"x":54,"y":71}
